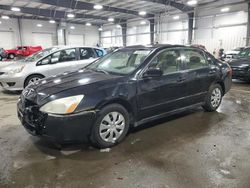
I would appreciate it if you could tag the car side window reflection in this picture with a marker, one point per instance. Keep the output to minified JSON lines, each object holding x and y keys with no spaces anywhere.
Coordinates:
{"x":168,"y":61}
{"x":194,"y":59}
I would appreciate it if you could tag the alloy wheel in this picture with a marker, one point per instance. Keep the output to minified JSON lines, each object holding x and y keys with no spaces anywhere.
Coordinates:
{"x":33,"y":80}
{"x":216,"y":97}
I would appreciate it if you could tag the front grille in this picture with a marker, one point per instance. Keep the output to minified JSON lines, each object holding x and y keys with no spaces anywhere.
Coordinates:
{"x":1,"y":73}
{"x":28,"y":103}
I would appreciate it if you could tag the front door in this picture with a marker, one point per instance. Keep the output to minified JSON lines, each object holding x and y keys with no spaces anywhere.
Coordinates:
{"x":165,"y":93}
{"x":63,"y":61}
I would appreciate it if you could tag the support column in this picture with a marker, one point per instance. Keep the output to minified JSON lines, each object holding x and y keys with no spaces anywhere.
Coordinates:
{"x":248,"y":26}
{"x":124,"y":34}
{"x":152,"y":30}
{"x":190,"y":27}
{"x":20,"y":32}
{"x":61,"y":34}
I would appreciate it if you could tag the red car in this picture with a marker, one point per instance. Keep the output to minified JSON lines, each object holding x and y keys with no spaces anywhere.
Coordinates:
{"x":22,"y":51}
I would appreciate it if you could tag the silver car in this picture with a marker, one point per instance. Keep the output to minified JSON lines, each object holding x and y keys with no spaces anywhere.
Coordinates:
{"x":48,"y":62}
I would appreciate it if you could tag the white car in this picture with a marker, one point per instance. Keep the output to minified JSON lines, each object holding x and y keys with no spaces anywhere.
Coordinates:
{"x":48,"y":62}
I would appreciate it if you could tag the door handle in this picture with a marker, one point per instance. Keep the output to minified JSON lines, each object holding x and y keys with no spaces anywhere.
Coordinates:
{"x":181,"y":79}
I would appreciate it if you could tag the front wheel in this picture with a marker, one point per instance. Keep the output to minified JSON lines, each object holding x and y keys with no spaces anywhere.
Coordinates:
{"x":110,"y":127}
{"x":32,"y":79}
{"x":213,"y":98}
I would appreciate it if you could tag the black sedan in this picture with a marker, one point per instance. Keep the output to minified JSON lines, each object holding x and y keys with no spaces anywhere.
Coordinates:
{"x":124,"y":89}
{"x":241,"y":65}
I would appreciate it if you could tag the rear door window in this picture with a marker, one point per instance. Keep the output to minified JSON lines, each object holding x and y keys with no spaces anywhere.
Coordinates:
{"x":194,"y":59}
{"x":86,"y":53}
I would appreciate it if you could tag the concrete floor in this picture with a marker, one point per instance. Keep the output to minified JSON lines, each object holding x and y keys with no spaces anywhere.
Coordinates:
{"x":192,"y":149}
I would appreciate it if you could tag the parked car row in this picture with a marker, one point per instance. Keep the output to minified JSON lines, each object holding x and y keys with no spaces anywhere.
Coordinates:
{"x":100,"y":102}
{"x":240,"y":65}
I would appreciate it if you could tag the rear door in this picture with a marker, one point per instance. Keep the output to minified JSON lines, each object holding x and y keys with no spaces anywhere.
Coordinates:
{"x":165,"y":93}
{"x":201,"y":74}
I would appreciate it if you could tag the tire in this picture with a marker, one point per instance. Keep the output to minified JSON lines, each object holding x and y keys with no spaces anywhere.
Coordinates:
{"x":104,"y":133}
{"x":32,"y":79}
{"x":11,"y":56}
{"x":213,"y":98}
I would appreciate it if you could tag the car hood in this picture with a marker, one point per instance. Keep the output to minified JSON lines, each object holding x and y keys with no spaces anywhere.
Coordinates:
{"x":239,"y":62}
{"x":9,"y":65}
{"x":68,"y":81}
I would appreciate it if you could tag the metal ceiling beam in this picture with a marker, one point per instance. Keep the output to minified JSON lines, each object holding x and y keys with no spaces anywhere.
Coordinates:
{"x":55,"y":14}
{"x":179,"y":6}
{"x":80,"y":5}
{"x":46,"y":19}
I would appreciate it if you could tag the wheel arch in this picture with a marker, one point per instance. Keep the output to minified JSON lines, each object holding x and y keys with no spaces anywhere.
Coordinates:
{"x":124,"y":103}
{"x":33,"y":74}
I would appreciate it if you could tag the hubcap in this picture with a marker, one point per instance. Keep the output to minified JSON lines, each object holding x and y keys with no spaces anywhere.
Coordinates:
{"x":112,"y":127}
{"x":33,"y":80}
{"x":216,"y":97}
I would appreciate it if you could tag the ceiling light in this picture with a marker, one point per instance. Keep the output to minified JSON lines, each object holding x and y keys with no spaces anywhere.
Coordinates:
{"x":100,"y":28}
{"x":142,"y":13}
{"x":226,"y":9}
{"x":52,"y":21}
{"x":88,"y":24}
{"x":192,"y":2}
{"x":39,"y":25}
{"x":118,"y":26}
{"x":72,"y":27}
{"x":176,"y":17}
{"x":5,"y":17}
{"x":70,"y":15}
{"x":143,"y":22}
{"x":98,"y":7}
{"x":111,"y":19}
{"x":16,"y":9}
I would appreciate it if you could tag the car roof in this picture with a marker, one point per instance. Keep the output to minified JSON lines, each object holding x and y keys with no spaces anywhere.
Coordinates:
{"x":160,"y":46}
{"x":72,"y":46}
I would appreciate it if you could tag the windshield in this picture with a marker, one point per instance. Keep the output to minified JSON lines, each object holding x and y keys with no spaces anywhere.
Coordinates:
{"x":245,"y":53}
{"x":120,"y":62}
{"x":36,"y":56}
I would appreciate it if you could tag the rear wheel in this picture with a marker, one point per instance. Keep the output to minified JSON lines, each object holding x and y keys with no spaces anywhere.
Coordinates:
{"x":32,"y":79}
{"x":213,"y":98}
{"x":11,"y":56}
{"x":111,"y":126}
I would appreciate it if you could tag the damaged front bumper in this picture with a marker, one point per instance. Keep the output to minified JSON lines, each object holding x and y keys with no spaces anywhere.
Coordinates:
{"x":57,"y":128}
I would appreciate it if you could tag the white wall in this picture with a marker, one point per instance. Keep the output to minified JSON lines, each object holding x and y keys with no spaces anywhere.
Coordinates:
{"x":9,"y":33}
{"x":216,"y":30}
{"x":211,"y":28}
{"x":45,"y":36}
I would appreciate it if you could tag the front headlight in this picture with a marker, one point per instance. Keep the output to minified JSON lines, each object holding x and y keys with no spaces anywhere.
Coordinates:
{"x":62,"y":106}
{"x":16,"y":70}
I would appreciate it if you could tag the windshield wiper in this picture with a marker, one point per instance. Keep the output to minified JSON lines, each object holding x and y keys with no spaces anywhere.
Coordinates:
{"x":100,"y":70}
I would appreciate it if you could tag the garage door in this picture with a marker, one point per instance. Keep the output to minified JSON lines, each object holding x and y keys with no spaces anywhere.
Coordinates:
{"x":42,"y":39}
{"x":7,"y":39}
{"x":76,"y":39}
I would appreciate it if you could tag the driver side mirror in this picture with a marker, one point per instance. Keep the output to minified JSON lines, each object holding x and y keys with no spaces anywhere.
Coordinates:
{"x":152,"y":72}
